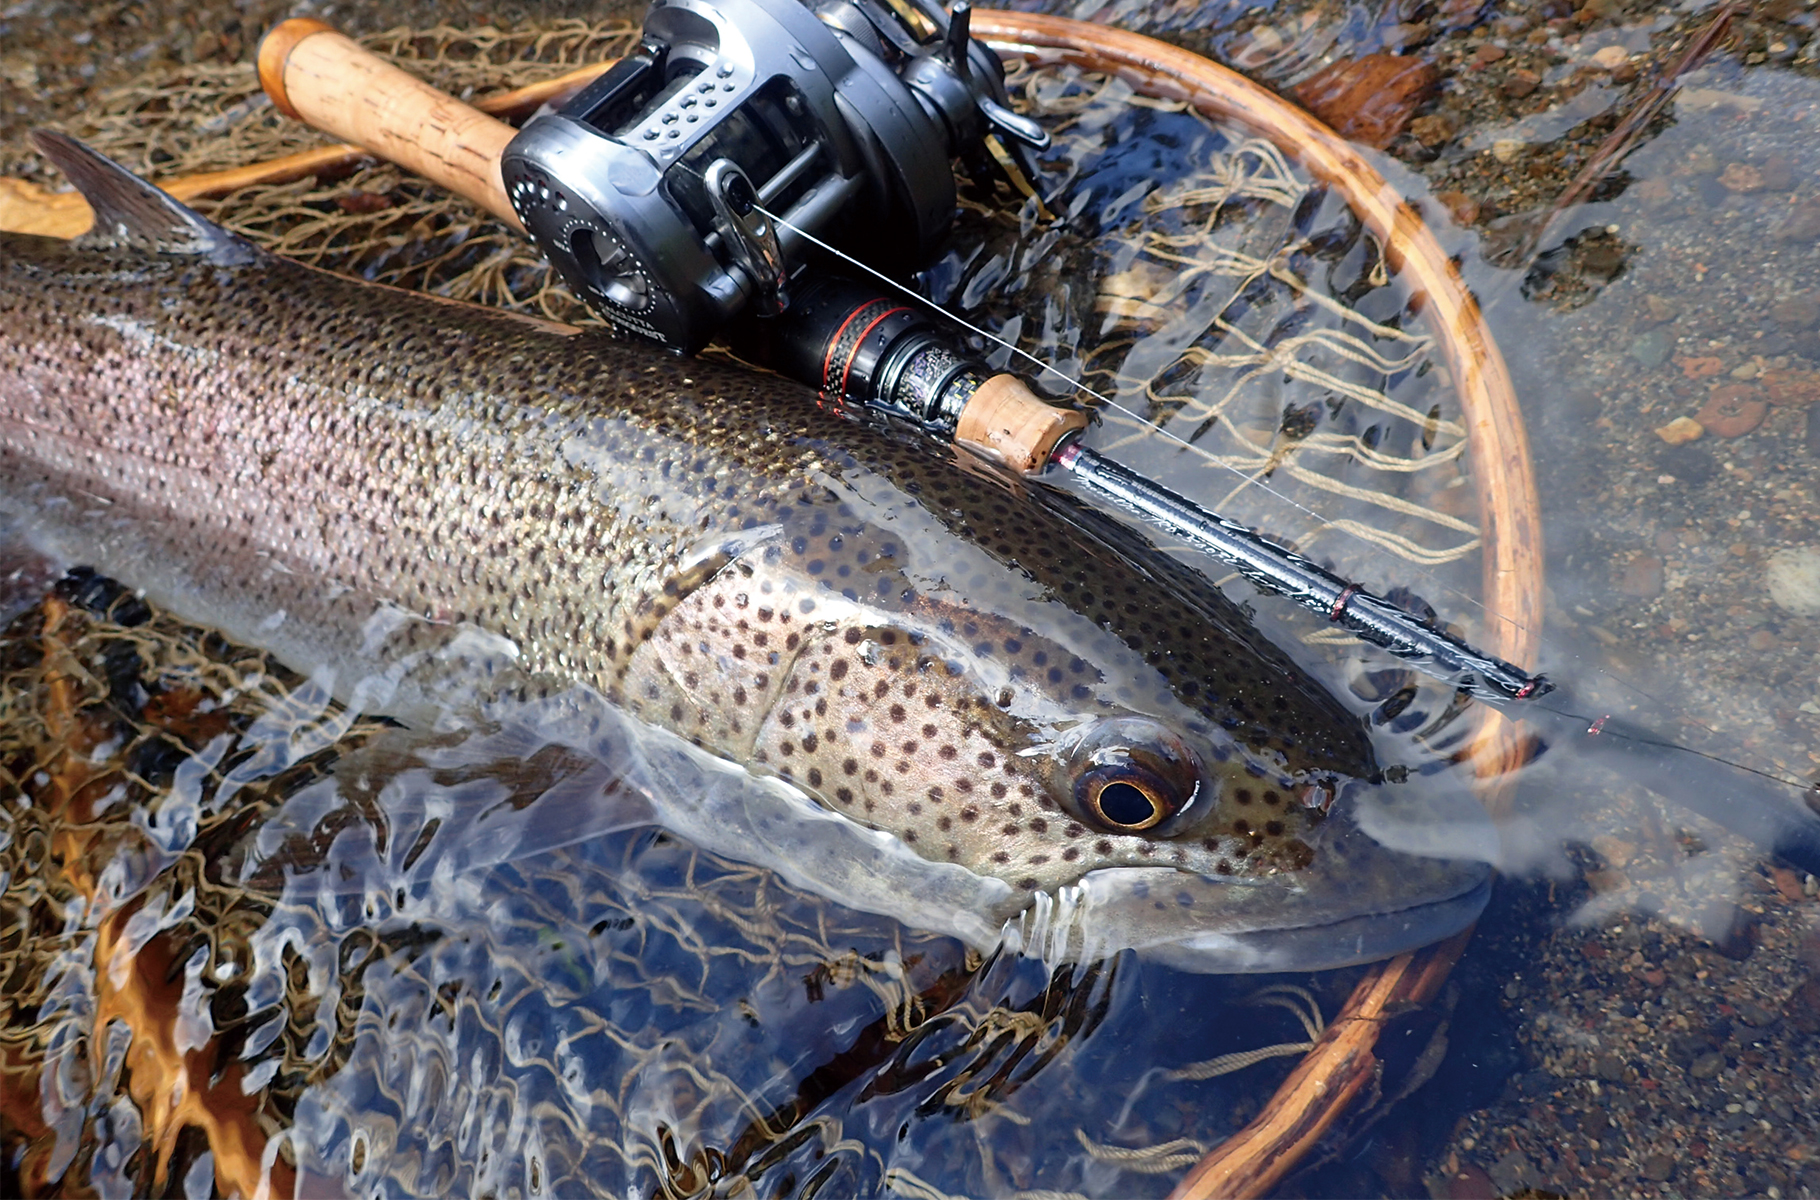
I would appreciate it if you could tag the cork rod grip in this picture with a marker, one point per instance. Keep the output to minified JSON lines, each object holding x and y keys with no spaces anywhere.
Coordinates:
{"x":321,"y":76}
{"x":1006,"y":421}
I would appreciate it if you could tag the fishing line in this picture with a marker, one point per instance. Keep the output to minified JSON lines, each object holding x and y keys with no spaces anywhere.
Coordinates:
{"x":1249,"y":479}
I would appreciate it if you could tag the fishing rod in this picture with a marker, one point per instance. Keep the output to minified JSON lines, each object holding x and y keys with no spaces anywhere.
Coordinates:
{"x":682,"y":193}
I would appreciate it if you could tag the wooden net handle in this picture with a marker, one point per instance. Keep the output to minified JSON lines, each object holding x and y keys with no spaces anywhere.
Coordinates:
{"x":323,"y":77}
{"x":1312,"y":1100}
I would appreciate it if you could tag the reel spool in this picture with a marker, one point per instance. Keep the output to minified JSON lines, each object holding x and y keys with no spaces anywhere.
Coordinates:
{"x":842,"y":118}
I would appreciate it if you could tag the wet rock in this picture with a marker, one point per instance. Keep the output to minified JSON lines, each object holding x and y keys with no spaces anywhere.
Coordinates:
{"x":1461,"y":207}
{"x":1812,"y":435}
{"x":1370,"y":99}
{"x":1658,"y":1168}
{"x":1778,"y":174}
{"x":1609,"y":1067}
{"x":1802,"y":1008}
{"x":1732,"y":410}
{"x":1707,"y":1066}
{"x":1699,"y":367}
{"x":1681,"y":431}
{"x":1520,"y":82}
{"x":1651,"y":349}
{"x":1435,"y":129}
{"x":1791,"y":387}
{"x":1661,"y":309}
{"x":1796,"y":313}
{"x":1738,"y":939}
{"x":1761,"y":640}
{"x":1488,"y":53}
{"x":1802,"y":223}
{"x":1642,"y":579}
{"x":1793,"y":578}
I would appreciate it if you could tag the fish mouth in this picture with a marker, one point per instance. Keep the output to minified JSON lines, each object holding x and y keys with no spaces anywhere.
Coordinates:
{"x":1373,"y":891}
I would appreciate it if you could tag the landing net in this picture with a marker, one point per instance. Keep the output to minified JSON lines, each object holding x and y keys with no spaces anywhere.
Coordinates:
{"x":1243,"y":313}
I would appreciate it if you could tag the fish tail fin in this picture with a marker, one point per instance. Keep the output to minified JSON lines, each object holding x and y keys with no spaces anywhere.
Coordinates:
{"x":132,"y":214}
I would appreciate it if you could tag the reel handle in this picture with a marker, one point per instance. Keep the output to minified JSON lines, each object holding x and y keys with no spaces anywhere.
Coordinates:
{"x":319,"y":75}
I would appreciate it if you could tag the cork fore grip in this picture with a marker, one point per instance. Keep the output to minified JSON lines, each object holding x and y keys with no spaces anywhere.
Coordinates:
{"x":1005,"y":421}
{"x":321,"y":76}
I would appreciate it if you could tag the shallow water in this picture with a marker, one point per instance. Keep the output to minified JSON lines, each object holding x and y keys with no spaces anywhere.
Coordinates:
{"x":1655,"y":943}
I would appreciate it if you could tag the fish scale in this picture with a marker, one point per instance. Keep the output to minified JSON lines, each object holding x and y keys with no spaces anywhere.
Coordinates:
{"x":461,"y":503}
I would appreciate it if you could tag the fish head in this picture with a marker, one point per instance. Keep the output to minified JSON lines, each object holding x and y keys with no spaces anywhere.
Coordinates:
{"x":1059,"y":706}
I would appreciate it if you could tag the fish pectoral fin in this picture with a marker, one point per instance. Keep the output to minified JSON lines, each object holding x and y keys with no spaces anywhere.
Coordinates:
{"x":132,"y":214}
{"x":517,"y":795}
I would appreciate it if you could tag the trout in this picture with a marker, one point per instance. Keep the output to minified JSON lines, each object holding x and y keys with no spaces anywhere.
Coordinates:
{"x":975,"y":701}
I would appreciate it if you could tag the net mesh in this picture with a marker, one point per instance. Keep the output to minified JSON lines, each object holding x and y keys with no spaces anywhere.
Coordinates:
{"x":1247,"y":317}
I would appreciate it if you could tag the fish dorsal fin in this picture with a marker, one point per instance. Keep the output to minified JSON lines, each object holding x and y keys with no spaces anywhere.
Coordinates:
{"x":131,"y":213}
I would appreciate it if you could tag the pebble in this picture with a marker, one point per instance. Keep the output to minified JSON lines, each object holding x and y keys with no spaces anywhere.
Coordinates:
{"x":1642,"y":579}
{"x":1658,"y":1168}
{"x":1610,"y":57}
{"x":1463,"y":208}
{"x":1813,"y":429}
{"x":1732,"y":410}
{"x":1435,"y":129}
{"x":1707,"y":1066}
{"x":1793,"y":577}
{"x":1683,"y":430}
{"x":1741,"y":177}
{"x":1488,"y":53}
{"x":1520,"y":82}
{"x":1650,"y":349}
{"x":1661,"y":308}
{"x":1700,"y":367}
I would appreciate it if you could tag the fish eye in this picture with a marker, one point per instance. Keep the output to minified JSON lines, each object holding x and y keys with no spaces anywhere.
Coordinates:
{"x":1132,"y":776}
{"x":1126,"y":799}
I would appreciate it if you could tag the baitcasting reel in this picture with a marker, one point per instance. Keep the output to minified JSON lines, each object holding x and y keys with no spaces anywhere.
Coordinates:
{"x":648,"y":190}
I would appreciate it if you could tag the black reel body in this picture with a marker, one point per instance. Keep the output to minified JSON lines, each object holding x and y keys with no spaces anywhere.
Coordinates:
{"x":646,"y":189}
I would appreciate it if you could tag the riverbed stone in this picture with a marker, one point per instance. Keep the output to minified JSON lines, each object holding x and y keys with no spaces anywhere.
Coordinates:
{"x":1793,"y":578}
